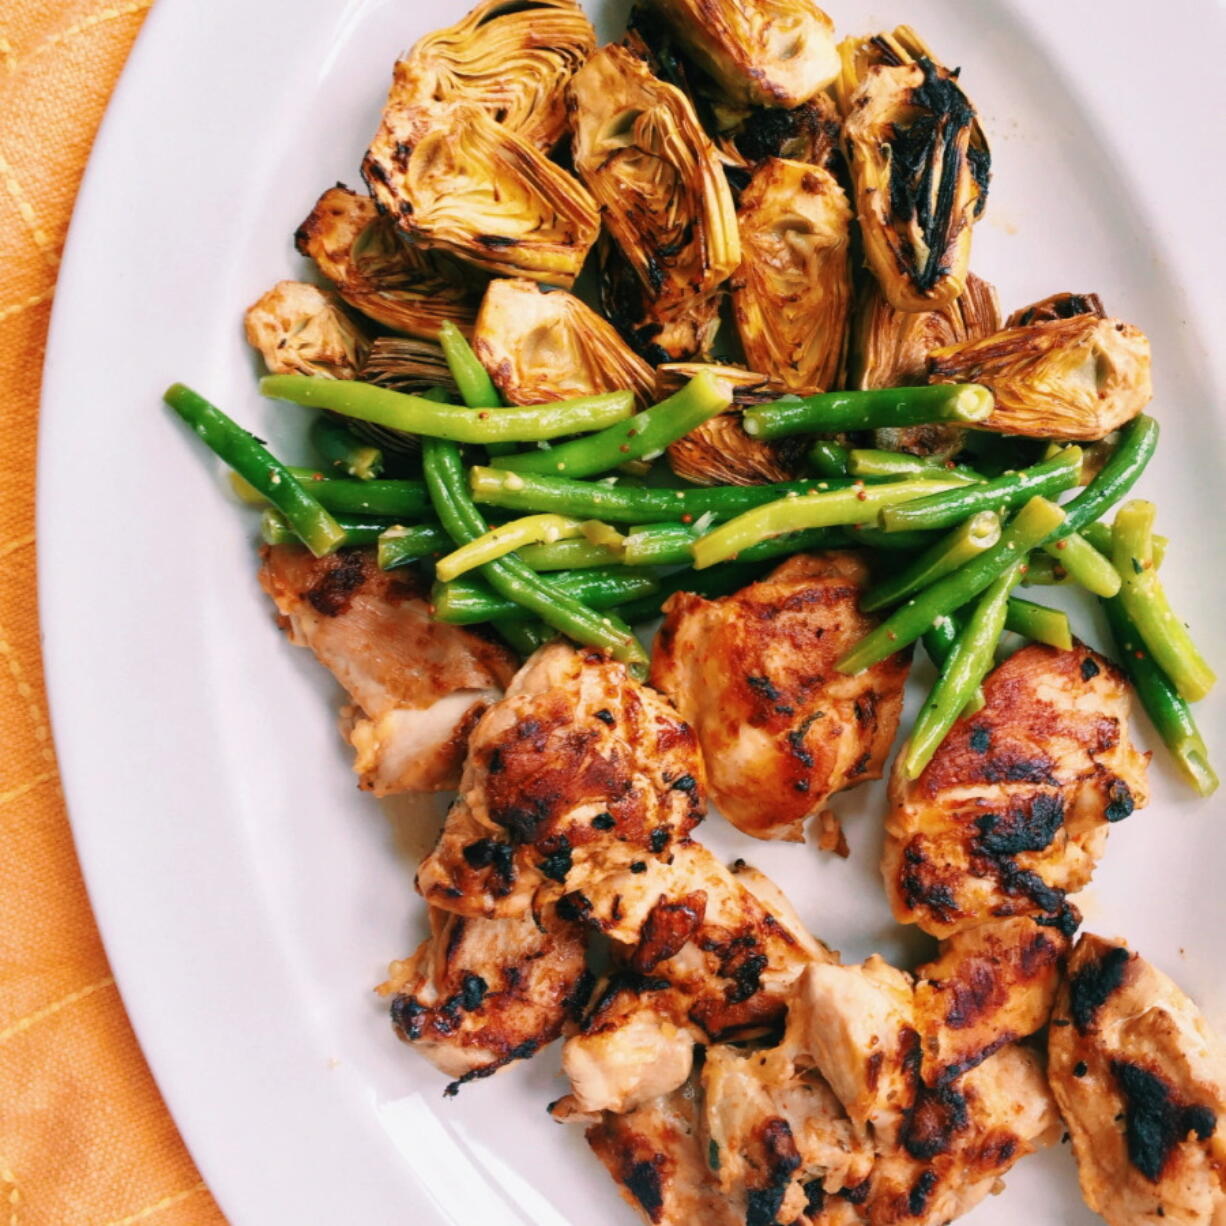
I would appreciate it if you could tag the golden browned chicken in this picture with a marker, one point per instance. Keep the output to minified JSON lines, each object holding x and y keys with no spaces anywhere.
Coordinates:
{"x":991,"y":984}
{"x":479,"y":993}
{"x":579,"y":772}
{"x":418,"y":686}
{"x":1012,"y":813}
{"x":1141,"y":1082}
{"x":705,"y":952}
{"x":754,"y":673}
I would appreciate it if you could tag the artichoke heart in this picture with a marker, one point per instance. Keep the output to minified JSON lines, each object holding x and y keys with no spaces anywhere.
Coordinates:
{"x":476,"y":189}
{"x":542,"y":345}
{"x":659,"y":332}
{"x":919,"y":165}
{"x":404,"y":364}
{"x":1058,"y":306}
{"x":657,"y":177}
{"x":1077,"y":378}
{"x":377,"y":272}
{"x":301,"y":329}
{"x":511,"y":57}
{"x":792,"y":295}
{"x":808,"y":133}
{"x":719,"y":452}
{"x":767,"y":52}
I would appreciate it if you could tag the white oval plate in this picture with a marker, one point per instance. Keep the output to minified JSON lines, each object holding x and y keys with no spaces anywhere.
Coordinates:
{"x":249,"y":896}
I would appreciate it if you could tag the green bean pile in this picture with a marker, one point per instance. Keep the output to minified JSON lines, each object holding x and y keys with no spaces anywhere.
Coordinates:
{"x":564,"y":538}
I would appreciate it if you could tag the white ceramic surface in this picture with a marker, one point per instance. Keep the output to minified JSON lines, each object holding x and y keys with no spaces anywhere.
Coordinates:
{"x":248,"y":895}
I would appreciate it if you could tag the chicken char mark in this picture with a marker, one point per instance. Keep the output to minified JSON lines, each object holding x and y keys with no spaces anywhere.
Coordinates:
{"x":781,"y":730}
{"x":1011,"y":814}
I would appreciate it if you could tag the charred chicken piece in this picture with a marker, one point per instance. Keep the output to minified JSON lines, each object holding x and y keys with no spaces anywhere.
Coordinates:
{"x":656,"y":176}
{"x":375,"y":271}
{"x":542,"y":345}
{"x":792,"y":294}
{"x":991,"y":985}
{"x":765,"y":52}
{"x":301,"y":329}
{"x":578,"y":773}
{"x":919,"y":164}
{"x":480,"y":993}
{"x":417,"y":685}
{"x":890,"y":348}
{"x":1070,"y":378}
{"x":1012,"y":813}
{"x":1141,"y":1083}
{"x":512,"y":58}
{"x":476,"y":189}
{"x":754,"y":673}
{"x":719,"y":452}
{"x":1057,"y":306}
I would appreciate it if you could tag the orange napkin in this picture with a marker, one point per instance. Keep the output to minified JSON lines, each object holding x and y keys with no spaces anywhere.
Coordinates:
{"x":84,"y":1136}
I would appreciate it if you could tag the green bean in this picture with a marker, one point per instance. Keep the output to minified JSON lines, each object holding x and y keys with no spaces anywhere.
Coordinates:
{"x":475,"y":386}
{"x":968,"y":663}
{"x":344,"y":451}
{"x":894,"y":542}
{"x":1170,"y":715}
{"x":868,"y":462}
{"x":1137,"y":444}
{"x":511,"y":577}
{"x":1085,"y":564}
{"x":417,"y":415}
{"x":626,"y":504}
{"x":1033,"y":524}
{"x":394,"y":499}
{"x":1039,"y":623}
{"x":847,"y":506}
{"x":275,"y":529}
{"x":672,"y":545}
{"x":828,"y":412}
{"x":506,"y":538}
{"x":710,"y":584}
{"x":1099,"y":535}
{"x":966,"y":541}
{"x":829,"y":459}
{"x":1143,"y":599}
{"x":643,"y":436}
{"x":255,"y":464}
{"x":577,"y":554}
{"x":939,"y":640}
{"x":1001,"y":494}
{"x":1041,"y":570}
{"x":468,"y":600}
{"x":399,"y":545}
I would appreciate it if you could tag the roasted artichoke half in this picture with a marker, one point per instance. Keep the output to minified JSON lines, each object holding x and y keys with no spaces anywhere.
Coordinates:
{"x":1076,"y":378}
{"x":919,"y":166}
{"x":765,"y":52}
{"x":511,"y":57}
{"x":659,"y":332}
{"x":1057,"y":306}
{"x":377,"y":272}
{"x":662,"y":191}
{"x":301,"y":329}
{"x":808,"y":133}
{"x":542,"y":345}
{"x":478,"y":190}
{"x":405,"y":364}
{"x":719,"y":452}
{"x":792,"y":294}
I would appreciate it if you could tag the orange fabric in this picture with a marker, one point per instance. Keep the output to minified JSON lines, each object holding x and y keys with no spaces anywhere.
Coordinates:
{"x":84,"y":1136}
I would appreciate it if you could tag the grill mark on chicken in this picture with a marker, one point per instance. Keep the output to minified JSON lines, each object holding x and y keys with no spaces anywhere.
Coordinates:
{"x":1094,"y":984}
{"x":780,"y":1159}
{"x":670,"y":924}
{"x":333,"y":590}
{"x":937,"y":1115}
{"x":1156,"y":1118}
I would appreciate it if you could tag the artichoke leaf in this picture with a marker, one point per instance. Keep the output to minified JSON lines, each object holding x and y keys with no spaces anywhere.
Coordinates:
{"x":792,"y":294}
{"x":639,"y":147}
{"x":513,"y":58}
{"x":1077,"y":378}
{"x":919,"y":166}
{"x":301,"y":329}
{"x":763,"y":52}
{"x":741,"y":386}
{"x":543,"y":345}
{"x":374,"y":269}
{"x":1057,"y":306}
{"x":404,"y":364}
{"x":476,"y":189}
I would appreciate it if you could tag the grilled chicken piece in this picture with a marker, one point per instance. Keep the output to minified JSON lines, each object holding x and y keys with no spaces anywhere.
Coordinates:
{"x":417,"y":685}
{"x":1012,"y":812}
{"x":655,"y":1154}
{"x":578,"y":773}
{"x":991,"y":985}
{"x":479,"y":993}
{"x":754,"y":674}
{"x":1141,"y":1082}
